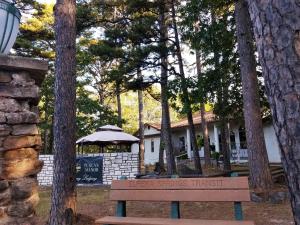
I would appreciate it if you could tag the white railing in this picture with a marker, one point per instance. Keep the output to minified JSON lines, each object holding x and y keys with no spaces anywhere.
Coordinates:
{"x":239,"y":155}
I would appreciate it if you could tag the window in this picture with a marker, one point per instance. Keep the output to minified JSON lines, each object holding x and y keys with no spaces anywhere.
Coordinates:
{"x":232,"y":140}
{"x":152,"y":145}
{"x":243,"y":141}
{"x":182,"y":144}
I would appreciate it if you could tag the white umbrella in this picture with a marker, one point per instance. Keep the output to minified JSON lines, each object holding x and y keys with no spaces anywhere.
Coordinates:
{"x":108,"y":135}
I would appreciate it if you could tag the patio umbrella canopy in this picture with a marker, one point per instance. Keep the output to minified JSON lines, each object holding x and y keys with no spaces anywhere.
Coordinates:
{"x":107,"y":135}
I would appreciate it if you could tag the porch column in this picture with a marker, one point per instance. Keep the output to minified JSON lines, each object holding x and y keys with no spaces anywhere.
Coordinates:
{"x":216,"y":134}
{"x":188,"y":143}
{"x":237,"y":138}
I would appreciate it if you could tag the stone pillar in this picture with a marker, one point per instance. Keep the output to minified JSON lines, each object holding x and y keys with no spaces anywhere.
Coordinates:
{"x":20,"y":141}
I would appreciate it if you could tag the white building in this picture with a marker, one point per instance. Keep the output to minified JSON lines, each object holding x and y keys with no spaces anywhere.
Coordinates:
{"x":182,"y":144}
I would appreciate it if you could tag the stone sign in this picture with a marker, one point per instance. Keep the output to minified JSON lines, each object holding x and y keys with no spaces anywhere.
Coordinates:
{"x":89,"y":170}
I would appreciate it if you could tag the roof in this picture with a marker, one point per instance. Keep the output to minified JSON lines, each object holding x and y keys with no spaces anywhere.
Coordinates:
{"x":109,"y":127}
{"x":210,"y":117}
{"x":108,"y":135}
{"x":156,"y":126}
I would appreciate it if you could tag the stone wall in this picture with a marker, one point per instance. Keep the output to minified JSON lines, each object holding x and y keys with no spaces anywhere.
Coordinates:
{"x":115,"y":165}
{"x":20,"y":141}
{"x":45,"y":177}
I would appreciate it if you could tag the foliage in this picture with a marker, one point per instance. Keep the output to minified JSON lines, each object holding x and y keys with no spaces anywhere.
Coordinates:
{"x":36,"y":34}
{"x":37,"y":40}
{"x":90,"y":114}
{"x":209,"y":27}
{"x":115,"y":38}
{"x":152,"y":110}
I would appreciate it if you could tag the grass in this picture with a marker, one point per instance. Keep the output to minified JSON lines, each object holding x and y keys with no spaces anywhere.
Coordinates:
{"x":93,"y":202}
{"x":85,"y":195}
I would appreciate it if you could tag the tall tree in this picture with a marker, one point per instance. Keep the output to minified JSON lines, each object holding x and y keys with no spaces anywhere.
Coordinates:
{"x":222,"y":90}
{"x":37,"y":40}
{"x":277,"y":32}
{"x":204,"y":127}
{"x":202,"y":95}
{"x":185,"y":94}
{"x":260,"y":175}
{"x":166,"y":141}
{"x":220,"y":80}
{"x":119,"y":103}
{"x":141,"y":126}
{"x":63,"y":201}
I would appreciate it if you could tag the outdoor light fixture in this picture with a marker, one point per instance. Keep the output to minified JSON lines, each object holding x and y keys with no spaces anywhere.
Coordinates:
{"x":9,"y":25}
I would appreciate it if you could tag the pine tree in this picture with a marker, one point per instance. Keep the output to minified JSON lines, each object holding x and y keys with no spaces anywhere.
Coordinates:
{"x":63,"y":202}
{"x":166,"y":138}
{"x":185,"y":95}
{"x":276,"y":28}
{"x":260,"y":175}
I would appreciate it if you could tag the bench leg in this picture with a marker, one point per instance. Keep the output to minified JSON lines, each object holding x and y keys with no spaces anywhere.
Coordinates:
{"x":175,"y":210}
{"x":175,"y":206}
{"x":238,"y":211}
{"x":121,"y":209}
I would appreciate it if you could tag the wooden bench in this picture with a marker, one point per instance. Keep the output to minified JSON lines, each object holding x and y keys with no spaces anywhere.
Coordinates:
{"x":231,"y":189}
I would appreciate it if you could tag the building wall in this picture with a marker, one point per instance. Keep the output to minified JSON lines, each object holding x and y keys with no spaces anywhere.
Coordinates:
{"x":135,"y":148}
{"x":269,"y":133}
{"x":272,"y":144}
{"x":150,"y":131}
{"x":152,"y":157}
{"x":115,"y":165}
{"x":270,"y":140}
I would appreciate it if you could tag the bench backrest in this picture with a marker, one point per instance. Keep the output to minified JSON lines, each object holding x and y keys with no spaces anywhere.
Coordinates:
{"x":225,"y":189}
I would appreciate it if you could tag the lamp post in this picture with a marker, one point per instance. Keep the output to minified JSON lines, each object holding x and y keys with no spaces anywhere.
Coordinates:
{"x":9,"y":25}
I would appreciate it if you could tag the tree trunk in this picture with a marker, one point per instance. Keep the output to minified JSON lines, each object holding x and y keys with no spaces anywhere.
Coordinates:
{"x":277,"y":33}
{"x":161,"y":153}
{"x":166,"y":142}
{"x":101,"y":96}
{"x":141,"y":126}
{"x":225,"y":145}
{"x":186,"y":98}
{"x":260,"y":174}
{"x":119,"y":105}
{"x":222,"y":98}
{"x":202,"y":114}
{"x":46,"y":130}
{"x":63,"y":205}
{"x":205,"y":135}
{"x":51,"y":137}
{"x":46,"y":141}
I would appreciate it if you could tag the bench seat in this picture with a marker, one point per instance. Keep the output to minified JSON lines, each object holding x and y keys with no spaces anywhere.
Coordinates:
{"x":175,"y":191}
{"x":164,"y":221}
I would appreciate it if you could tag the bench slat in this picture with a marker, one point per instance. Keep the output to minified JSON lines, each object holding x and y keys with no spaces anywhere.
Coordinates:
{"x":222,"y":183}
{"x":181,"y":195}
{"x":163,"y":221}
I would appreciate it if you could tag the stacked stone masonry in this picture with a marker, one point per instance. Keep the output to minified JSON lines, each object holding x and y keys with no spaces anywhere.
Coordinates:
{"x":20,"y":141}
{"x":115,"y":165}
